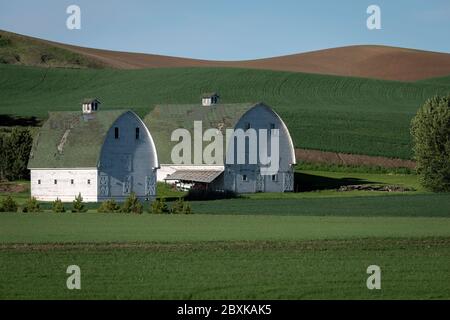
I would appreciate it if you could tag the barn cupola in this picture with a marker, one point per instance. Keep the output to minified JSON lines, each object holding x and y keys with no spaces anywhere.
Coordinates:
{"x":210,"y":99}
{"x":90,"y":105}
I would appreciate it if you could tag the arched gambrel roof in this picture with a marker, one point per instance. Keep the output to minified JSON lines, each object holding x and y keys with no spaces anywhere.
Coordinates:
{"x":74,"y":140}
{"x":147,"y":132}
{"x":269,"y":109}
{"x":164,"y":119}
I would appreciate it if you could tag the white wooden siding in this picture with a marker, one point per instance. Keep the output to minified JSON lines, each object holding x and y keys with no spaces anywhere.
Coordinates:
{"x":64,"y":190}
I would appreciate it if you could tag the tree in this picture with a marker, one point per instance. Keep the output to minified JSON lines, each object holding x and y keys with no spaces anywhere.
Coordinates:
{"x":108,"y":206}
{"x":177,"y":207}
{"x":32,"y":205}
{"x":78,"y":205}
{"x":58,"y":206}
{"x":430,"y":129}
{"x":8,"y":205}
{"x":14,"y":154}
{"x":159,"y":206}
{"x":132,"y":204}
{"x":181,"y":207}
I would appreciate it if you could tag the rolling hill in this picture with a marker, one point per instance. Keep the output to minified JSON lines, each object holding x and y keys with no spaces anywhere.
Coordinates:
{"x":330,"y":113}
{"x":21,"y":50}
{"x":379,"y":62}
{"x":356,"y":115}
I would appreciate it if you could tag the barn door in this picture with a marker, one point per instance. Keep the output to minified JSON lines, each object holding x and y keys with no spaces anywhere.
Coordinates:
{"x":104,"y":185}
{"x":259,"y":182}
{"x":150,"y":185}
{"x":288,"y":181}
{"x":126,"y":185}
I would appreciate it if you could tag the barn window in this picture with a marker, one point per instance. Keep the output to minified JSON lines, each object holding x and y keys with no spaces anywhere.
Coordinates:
{"x":247,"y":125}
{"x":55,"y":181}
{"x":71,"y":181}
{"x":274,"y":177}
{"x":137,"y":133}
{"x":89,"y":181}
{"x":272,"y":126}
{"x":39,"y":181}
{"x":244,"y":177}
{"x":116,"y":133}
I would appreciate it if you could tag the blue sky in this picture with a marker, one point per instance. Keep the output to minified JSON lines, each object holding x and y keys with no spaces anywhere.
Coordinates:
{"x":231,"y":29}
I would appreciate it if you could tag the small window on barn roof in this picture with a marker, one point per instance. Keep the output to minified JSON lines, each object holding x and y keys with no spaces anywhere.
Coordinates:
{"x":90,"y":105}
{"x":209,"y":99}
{"x":137,"y":133}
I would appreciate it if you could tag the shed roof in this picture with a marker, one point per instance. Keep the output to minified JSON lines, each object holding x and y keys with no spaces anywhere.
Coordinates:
{"x":205,"y":176}
{"x":72,"y":139}
{"x":163,"y":120}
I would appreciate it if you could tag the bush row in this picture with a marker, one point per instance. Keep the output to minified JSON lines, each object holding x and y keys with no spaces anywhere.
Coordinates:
{"x":130,"y":205}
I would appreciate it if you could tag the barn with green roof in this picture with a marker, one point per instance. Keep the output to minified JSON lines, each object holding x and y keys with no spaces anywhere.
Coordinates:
{"x":100,"y":154}
{"x":164,"y":121}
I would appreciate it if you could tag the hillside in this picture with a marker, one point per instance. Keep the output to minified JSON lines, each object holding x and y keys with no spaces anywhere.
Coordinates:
{"x":330,"y":113}
{"x":20,"y":50}
{"x":379,"y":62}
{"x":440,"y":80}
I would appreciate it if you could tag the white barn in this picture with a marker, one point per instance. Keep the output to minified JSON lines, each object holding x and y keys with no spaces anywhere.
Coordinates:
{"x":239,"y":178}
{"x":99,"y":154}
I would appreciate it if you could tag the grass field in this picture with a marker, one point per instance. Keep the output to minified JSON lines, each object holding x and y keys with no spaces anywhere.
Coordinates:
{"x":308,"y":245}
{"x":92,"y":227}
{"x":352,"y":115}
{"x":366,"y":206}
{"x":232,"y":270}
{"x":440,"y":80}
{"x":220,"y":257}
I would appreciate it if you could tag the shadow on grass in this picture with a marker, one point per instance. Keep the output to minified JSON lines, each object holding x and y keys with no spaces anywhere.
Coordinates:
{"x":201,"y":195}
{"x":309,"y":182}
{"x":7,"y":120}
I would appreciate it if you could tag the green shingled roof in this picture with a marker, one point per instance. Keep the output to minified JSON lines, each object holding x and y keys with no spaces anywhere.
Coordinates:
{"x":163,"y":120}
{"x":71,"y":139}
